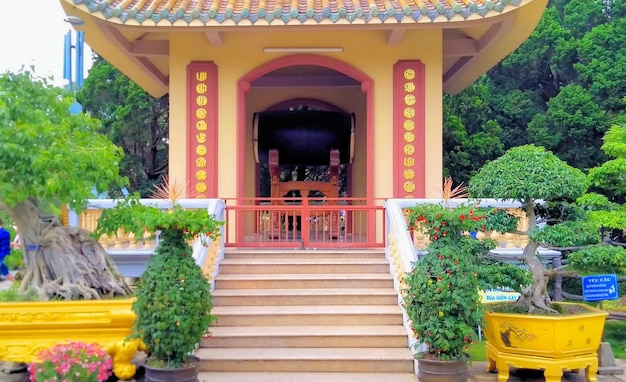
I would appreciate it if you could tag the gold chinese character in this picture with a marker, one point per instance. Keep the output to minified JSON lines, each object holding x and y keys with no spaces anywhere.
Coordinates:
{"x":409,"y":74}
{"x":201,"y":125}
{"x":409,"y":137}
{"x":201,"y":76}
{"x":200,"y":196}
{"x":409,"y":99}
{"x":409,"y":186}
{"x":409,"y":174}
{"x":200,"y":162}
{"x":409,"y":87}
{"x":201,"y":149}
{"x":201,"y":175}
{"x":201,"y":187}
{"x":201,"y":88}
{"x":409,"y":125}
{"x":201,"y":113}
{"x":409,"y":196}
{"x":409,"y":162}
{"x":201,"y":100}
{"x":409,"y":149}
{"x":201,"y":138}
{"x":409,"y":112}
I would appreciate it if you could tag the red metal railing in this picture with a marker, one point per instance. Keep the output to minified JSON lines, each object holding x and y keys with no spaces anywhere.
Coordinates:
{"x":304,"y":223}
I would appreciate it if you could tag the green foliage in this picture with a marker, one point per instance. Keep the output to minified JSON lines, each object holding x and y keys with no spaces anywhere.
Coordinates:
{"x":599,"y":259}
{"x":45,"y":152}
{"x":13,"y":294}
{"x":592,"y":202}
{"x":442,"y":299}
{"x":15,"y":260}
{"x":615,"y":334}
{"x":472,"y":135}
{"x":527,"y":173}
{"x":134,"y":217}
{"x":567,"y":78}
{"x":609,"y":177}
{"x":567,"y":234}
{"x":572,"y":127}
{"x":133,"y":120}
{"x":174,"y":301}
{"x":441,"y":292}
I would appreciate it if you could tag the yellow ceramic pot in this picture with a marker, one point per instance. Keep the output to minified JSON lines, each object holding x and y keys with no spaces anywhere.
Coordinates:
{"x":551,"y":343}
{"x":28,"y":327}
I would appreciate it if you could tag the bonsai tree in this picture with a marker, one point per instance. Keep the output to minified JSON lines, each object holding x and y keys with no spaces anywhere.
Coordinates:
{"x":50,"y":157}
{"x":531,"y":174}
{"x":441,"y":295}
{"x":174,"y":301}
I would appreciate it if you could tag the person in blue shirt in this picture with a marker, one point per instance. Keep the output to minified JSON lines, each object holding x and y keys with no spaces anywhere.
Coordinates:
{"x":5,"y":250}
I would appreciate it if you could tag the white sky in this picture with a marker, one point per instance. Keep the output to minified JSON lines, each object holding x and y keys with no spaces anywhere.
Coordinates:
{"x":33,"y":34}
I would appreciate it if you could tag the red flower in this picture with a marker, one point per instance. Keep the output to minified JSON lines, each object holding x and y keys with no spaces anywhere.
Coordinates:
{"x":462,"y":217}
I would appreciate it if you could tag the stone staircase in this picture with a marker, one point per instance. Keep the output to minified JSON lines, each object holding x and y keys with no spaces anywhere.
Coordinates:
{"x":291,"y":315}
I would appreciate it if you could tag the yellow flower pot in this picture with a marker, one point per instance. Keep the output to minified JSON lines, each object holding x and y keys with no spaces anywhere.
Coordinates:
{"x":552,"y":343}
{"x":28,"y":327}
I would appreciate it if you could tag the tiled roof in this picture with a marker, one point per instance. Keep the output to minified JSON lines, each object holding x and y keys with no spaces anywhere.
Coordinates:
{"x":162,"y":12}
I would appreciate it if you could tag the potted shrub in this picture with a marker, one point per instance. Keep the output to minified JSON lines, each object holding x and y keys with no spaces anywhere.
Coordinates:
{"x":542,"y":182}
{"x":441,"y":295}
{"x":174,"y":301}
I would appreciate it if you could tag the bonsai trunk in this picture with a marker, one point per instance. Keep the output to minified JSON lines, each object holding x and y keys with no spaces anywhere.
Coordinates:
{"x":62,"y":261}
{"x":535,"y":296}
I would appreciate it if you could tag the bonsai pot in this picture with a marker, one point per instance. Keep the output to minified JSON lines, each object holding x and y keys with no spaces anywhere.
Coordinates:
{"x":186,"y":373}
{"x":543,"y":335}
{"x":432,"y":370}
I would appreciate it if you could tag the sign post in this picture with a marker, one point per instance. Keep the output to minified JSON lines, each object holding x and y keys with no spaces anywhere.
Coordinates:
{"x":599,"y":288}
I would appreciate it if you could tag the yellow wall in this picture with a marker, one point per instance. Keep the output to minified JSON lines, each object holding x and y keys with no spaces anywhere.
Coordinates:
{"x":365,"y":49}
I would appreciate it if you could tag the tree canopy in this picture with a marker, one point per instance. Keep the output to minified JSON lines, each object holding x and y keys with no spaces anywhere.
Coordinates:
{"x":47,"y":153}
{"x":562,"y":89}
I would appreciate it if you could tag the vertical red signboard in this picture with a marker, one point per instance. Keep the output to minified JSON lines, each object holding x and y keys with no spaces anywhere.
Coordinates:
{"x":201,"y":130}
{"x":409,"y":129}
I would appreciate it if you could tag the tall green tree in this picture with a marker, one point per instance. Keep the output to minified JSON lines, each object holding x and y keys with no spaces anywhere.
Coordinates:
{"x":561,"y":88}
{"x":50,"y":157}
{"x":133,"y":120}
{"x":572,"y":127}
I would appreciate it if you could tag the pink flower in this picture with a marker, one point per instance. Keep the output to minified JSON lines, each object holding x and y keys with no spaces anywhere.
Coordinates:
{"x":70,"y":362}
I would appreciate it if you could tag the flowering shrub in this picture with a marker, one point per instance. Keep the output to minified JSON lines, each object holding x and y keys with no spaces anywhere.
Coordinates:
{"x":441,"y":294}
{"x":72,"y":362}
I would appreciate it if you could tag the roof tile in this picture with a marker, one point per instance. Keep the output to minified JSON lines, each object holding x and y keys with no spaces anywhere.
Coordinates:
{"x":167,"y":12}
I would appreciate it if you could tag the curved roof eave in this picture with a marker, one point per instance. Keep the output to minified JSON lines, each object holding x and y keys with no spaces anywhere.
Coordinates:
{"x":301,"y":12}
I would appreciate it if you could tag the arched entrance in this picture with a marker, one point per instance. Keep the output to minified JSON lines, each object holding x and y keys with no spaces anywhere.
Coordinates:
{"x":307,"y":81}
{"x":280,"y":74}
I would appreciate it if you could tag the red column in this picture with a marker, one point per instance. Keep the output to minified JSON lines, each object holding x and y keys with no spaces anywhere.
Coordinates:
{"x":409,"y":129}
{"x":201,"y":130}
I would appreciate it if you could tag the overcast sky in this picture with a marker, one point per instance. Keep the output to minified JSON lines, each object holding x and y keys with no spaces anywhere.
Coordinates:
{"x":32,"y":33}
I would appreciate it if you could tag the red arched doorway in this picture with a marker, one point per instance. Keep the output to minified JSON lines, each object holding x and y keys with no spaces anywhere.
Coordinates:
{"x":244,"y":86}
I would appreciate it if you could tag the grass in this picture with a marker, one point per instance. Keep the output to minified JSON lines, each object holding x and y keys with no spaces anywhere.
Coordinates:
{"x":614,"y":334}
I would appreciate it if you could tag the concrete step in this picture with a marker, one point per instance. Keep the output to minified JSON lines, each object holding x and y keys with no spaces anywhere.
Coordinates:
{"x":309,"y":265}
{"x":307,"y":315}
{"x":375,"y":336}
{"x":305,"y":377}
{"x":361,"y":360}
{"x":306,"y":296}
{"x":298,"y":281}
{"x":255,"y":253}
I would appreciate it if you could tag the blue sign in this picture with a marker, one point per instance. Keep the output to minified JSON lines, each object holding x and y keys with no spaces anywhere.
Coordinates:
{"x":600,"y":287}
